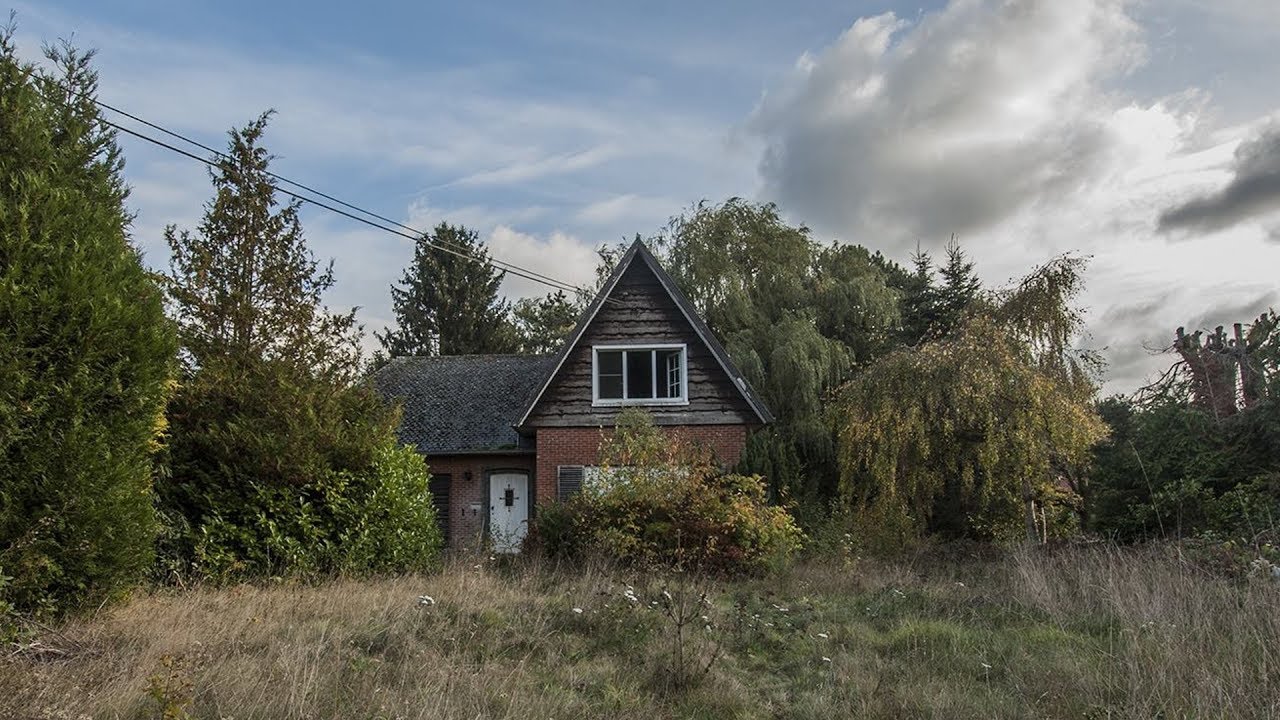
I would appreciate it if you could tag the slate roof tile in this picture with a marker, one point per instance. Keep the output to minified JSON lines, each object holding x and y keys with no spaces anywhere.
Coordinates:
{"x":462,"y":403}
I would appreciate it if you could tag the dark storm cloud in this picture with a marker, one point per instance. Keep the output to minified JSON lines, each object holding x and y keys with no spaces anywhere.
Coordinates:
{"x":1228,"y":312}
{"x":1253,"y":190}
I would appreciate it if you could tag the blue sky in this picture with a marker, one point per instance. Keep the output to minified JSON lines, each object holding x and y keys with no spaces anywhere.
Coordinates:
{"x":1142,"y":133}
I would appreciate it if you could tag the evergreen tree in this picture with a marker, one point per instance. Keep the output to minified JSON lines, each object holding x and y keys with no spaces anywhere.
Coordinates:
{"x":447,"y":302}
{"x":920,"y":302}
{"x":959,"y":290}
{"x":86,"y":354}
{"x":542,"y":324}
{"x":245,"y":287}
{"x":279,"y":461}
{"x":934,"y":305}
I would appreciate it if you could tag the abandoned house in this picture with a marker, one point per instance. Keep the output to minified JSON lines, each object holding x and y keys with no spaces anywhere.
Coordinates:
{"x":504,"y":433}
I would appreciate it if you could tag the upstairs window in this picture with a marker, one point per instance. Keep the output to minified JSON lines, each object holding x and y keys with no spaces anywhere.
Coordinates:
{"x":639,"y":375}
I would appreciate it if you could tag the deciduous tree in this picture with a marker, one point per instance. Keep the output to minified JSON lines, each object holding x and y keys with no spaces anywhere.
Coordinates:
{"x":793,"y":315}
{"x":969,"y":434}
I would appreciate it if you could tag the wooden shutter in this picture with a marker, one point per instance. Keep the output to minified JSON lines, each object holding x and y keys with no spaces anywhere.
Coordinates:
{"x":438,"y":485}
{"x":570,"y":481}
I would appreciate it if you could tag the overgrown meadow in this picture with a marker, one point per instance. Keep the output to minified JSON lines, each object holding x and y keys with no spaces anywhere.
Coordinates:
{"x":1078,"y":631}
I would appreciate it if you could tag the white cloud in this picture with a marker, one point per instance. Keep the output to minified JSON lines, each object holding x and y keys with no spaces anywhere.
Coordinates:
{"x":542,"y":166}
{"x":1006,"y":122}
{"x":626,"y":208}
{"x":886,"y":130}
{"x":557,"y":255}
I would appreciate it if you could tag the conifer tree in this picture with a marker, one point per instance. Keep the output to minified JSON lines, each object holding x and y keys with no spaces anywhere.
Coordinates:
{"x":542,"y":324}
{"x":447,"y":302}
{"x":279,"y":460}
{"x":245,"y":287}
{"x":86,"y":354}
{"x":959,"y":290}
{"x":919,"y":304}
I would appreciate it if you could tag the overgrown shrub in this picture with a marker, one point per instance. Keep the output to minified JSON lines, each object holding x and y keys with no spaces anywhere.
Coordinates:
{"x":86,"y":354}
{"x":1168,"y":469}
{"x":275,"y":474}
{"x":662,"y":502}
{"x":377,"y":520}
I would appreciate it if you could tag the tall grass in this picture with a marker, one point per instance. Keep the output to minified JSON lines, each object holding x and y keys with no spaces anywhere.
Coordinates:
{"x":1076,"y":632}
{"x":1181,"y":642}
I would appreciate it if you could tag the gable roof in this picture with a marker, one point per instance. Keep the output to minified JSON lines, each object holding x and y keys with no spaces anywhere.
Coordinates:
{"x":462,"y":403}
{"x":639,"y":252}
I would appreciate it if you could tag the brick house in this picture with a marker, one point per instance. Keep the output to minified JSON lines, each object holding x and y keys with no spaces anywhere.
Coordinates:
{"x":504,"y":433}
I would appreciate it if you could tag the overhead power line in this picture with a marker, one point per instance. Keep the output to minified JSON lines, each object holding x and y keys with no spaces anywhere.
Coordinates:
{"x":417,"y":234}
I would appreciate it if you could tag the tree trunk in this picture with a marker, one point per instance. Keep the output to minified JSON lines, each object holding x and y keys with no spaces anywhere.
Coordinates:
{"x":1029,"y":501}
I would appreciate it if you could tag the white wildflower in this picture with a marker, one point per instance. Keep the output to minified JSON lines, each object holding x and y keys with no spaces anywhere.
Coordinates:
{"x":577,"y":611}
{"x":426,"y":600}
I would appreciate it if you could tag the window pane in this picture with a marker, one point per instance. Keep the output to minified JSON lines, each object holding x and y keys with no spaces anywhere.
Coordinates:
{"x":640,"y":374}
{"x":610,"y":387}
{"x":675,"y":373}
{"x":610,"y":362}
{"x":609,"y":375}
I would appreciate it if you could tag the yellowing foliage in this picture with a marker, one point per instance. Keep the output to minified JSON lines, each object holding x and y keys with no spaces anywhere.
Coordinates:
{"x":973,"y":434}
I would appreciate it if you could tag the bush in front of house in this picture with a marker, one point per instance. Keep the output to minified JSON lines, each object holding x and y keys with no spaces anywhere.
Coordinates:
{"x":305,"y":480}
{"x":377,"y":521}
{"x":660,"y":501}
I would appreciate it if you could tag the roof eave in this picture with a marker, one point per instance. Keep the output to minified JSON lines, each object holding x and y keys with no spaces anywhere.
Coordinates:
{"x":583,"y":322}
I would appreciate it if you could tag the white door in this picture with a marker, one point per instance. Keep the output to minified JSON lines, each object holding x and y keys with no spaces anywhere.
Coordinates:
{"x":508,"y":510}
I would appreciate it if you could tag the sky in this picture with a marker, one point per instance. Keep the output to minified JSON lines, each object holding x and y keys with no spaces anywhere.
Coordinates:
{"x":1143,"y":134}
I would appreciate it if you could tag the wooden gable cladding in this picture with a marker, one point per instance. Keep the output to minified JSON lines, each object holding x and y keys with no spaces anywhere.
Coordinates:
{"x":640,"y":311}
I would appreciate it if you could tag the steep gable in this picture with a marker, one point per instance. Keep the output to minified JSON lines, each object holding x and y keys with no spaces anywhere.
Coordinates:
{"x":639,"y":305}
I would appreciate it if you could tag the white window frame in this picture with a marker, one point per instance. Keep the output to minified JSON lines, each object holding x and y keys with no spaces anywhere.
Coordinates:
{"x":658,"y":375}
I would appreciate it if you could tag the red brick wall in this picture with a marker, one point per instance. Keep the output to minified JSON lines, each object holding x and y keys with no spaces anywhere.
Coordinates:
{"x":466,"y":528}
{"x":581,"y":446}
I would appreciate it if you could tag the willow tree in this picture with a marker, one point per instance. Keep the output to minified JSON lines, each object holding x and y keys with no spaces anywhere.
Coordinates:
{"x":793,"y":314}
{"x":975,"y":433}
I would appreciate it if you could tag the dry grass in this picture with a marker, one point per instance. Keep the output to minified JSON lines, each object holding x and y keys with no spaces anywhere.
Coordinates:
{"x":1071,"y":633}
